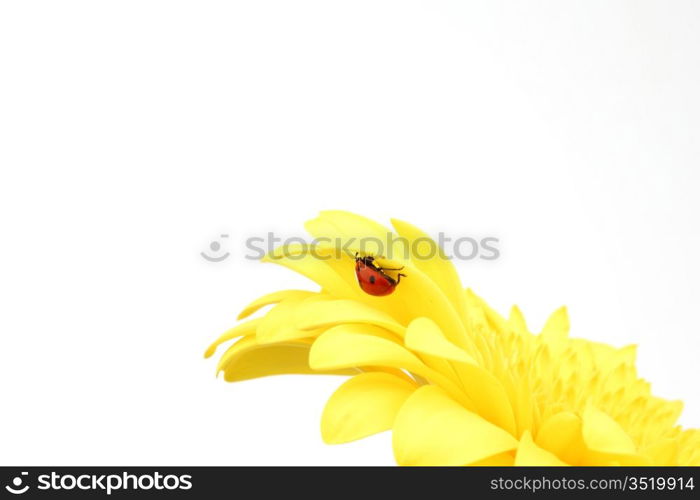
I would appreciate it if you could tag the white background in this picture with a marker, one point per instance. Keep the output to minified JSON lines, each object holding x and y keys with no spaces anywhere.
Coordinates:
{"x":134,"y":133}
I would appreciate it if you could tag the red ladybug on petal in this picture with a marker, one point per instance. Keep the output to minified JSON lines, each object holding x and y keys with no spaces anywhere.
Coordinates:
{"x":372,"y":278}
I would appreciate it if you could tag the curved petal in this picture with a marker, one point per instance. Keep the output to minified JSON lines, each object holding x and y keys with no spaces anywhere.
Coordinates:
{"x":366,"y":329}
{"x":344,"y":266}
{"x":364,"y":405}
{"x":340,"y":347}
{"x":247,"y":360}
{"x":279,"y":324}
{"x":334,"y":312}
{"x":561,"y":435}
{"x":516,"y":321}
{"x":242,"y":330}
{"x":433,"y":429}
{"x":529,"y":454}
{"x":376,"y":239}
{"x":483,"y":389}
{"x":488,"y":395}
{"x":297,"y":258}
{"x":273,"y":298}
{"x":419,"y":294}
{"x":439,"y":267}
{"x":423,"y":335}
{"x":557,"y":326}
{"x":602,"y":434}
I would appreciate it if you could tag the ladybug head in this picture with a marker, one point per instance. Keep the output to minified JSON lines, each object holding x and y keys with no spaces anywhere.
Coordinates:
{"x":365,"y":259}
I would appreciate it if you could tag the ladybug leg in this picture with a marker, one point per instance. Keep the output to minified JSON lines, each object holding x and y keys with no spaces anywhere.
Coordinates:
{"x":392,"y":268}
{"x":398,"y":278}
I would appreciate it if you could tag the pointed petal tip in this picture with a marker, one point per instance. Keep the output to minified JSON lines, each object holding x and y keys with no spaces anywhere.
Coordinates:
{"x":397,"y":222}
{"x":530,"y":454}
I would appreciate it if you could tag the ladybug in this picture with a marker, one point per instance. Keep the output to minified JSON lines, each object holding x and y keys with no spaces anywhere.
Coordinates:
{"x":372,"y":278}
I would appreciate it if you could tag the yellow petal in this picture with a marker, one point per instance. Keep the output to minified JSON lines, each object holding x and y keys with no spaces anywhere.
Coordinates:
{"x":434,"y":349}
{"x":247,"y":328}
{"x":417,"y":293}
{"x":603,"y":434}
{"x":439,"y":267}
{"x":663,"y":452}
{"x":273,"y":298}
{"x":561,"y":434}
{"x":364,"y":405}
{"x":247,"y":360}
{"x":609,"y":358}
{"x":377,"y":239}
{"x":335,"y":272}
{"x":279,"y":325}
{"x":360,"y":329}
{"x":505,"y":459}
{"x":344,"y":266}
{"x":483,"y":389}
{"x":488,"y":395}
{"x":529,"y":454}
{"x":423,"y":335}
{"x":341,"y":224}
{"x":517,"y":321}
{"x":557,"y":326}
{"x":322,"y":314}
{"x":496,"y":322}
{"x":433,"y":429}
{"x":420,"y":294}
{"x":342,"y":347}
{"x":296,"y":258}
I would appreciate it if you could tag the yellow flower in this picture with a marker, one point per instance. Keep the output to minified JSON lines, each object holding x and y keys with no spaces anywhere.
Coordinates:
{"x":457,"y":383}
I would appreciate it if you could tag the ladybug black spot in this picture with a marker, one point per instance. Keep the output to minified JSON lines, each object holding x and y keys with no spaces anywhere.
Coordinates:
{"x":371,"y":279}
